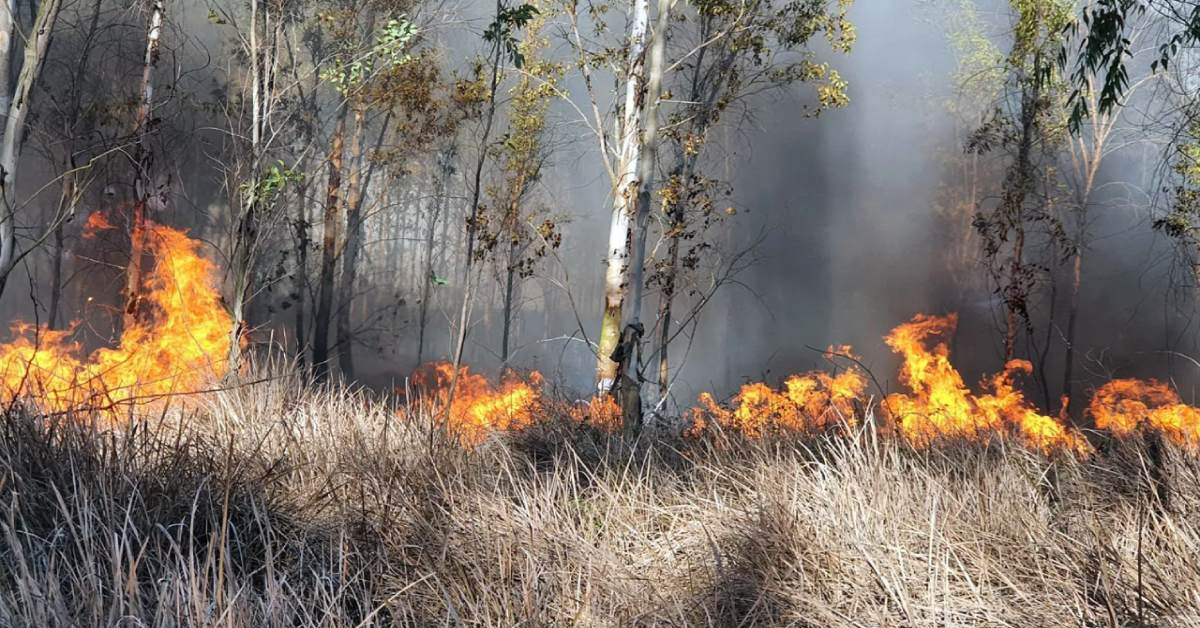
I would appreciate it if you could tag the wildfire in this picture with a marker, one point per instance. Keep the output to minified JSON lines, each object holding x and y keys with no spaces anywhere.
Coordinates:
{"x":96,"y":222}
{"x":1124,"y":406}
{"x":601,"y":411}
{"x":807,"y":402}
{"x":479,"y":407}
{"x":940,"y":404}
{"x":178,"y":348}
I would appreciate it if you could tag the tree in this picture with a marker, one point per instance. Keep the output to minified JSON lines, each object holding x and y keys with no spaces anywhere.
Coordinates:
{"x":361,"y":52}
{"x":508,"y":228}
{"x":1099,"y":77}
{"x":501,"y":35}
{"x":415,"y":117}
{"x":1029,"y":133}
{"x":144,"y":187}
{"x":728,"y":52}
{"x":14,"y":128}
{"x":258,"y":118}
{"x":625,"y":191}
{"x":70,"y":118}
{"x":977,"y":83}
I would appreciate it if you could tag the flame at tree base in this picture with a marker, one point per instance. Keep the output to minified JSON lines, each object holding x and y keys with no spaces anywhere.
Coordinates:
{"x":177,"y":348}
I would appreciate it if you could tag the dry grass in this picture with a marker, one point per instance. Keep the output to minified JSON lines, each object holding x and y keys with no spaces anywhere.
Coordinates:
{"x":282,"y":505}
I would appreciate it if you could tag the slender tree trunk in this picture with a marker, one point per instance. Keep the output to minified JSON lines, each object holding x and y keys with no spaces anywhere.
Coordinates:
{"x":10,"y":46}
{"x":354,"y":195}
{"x":1012,"y":317}
{"x":510,"y":287}
{"x":1072,"y":321}
{"x":625,"y":193}
{"x":67,"y":203}
{"x":262,"y":58}
{"x":670,"y":278}
{"x":8,"y":25}
{"x":329,"y":250}
{"x":1020,"y":183}
{"x":144,"y":182}
{"x":647,"y":162}
{"x":69,"y":197}
{"x":300,"y":281}
{"x":512,"y":226}
{"x":706,"y":86}
{"x":445,"y":169}
{"x":14,"y":129}
{"x":464,"y":317}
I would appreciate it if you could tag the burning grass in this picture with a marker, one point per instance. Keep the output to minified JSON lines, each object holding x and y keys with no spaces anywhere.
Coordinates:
{"x":181,"y":345}
{"x":286,"y":504}
{"x":290,"y":504}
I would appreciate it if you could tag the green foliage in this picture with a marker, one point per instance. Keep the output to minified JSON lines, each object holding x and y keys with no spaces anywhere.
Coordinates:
{"x":502,"y":31}
{"x":269,"y":183}
{"x":389,"y":50}
{"x":1105,"y":47}
{"x":523,"y":152}
{"x":792,"y":27}
{"x":1102,"y":52}
{"x":979,"y":63}
{"x":1182,"y":220}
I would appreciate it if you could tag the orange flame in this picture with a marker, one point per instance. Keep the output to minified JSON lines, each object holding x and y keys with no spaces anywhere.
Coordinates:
{"x":96,"y":222}
{"x":478,"y":407}
{"x":180,"y":346}
{"x":602,"y":411}
{"x":1123,"y":406}
{"x":940,"y":404}
{"x":807,"y":402}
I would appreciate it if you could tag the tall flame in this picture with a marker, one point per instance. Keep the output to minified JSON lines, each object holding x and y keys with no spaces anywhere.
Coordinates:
{"x":178,"y":348}
{"x":940,"y":404}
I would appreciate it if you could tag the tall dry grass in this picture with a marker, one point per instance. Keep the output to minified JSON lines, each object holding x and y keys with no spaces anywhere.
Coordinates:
{"x":284,"y":504}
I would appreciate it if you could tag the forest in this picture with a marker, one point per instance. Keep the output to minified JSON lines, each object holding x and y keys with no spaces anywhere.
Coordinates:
{"x":549,"y":312}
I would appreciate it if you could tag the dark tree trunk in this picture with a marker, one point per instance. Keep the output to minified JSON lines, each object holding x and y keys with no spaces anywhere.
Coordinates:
{"x":329,"y":250}
{"x":300,"y":280}
{"x":354,"y":194}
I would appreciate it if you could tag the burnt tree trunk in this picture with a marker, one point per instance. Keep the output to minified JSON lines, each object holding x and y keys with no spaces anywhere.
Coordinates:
{"x":143,"y":182}
{"x":300,"y":279}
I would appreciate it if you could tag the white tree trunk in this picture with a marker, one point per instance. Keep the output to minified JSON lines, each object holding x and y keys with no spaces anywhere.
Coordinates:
{"x":14,"y":128}
{"x":625,"y":191}
{"x":648,"y":160}
{"x":144,"y":183}
{"x":8,"y":23}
